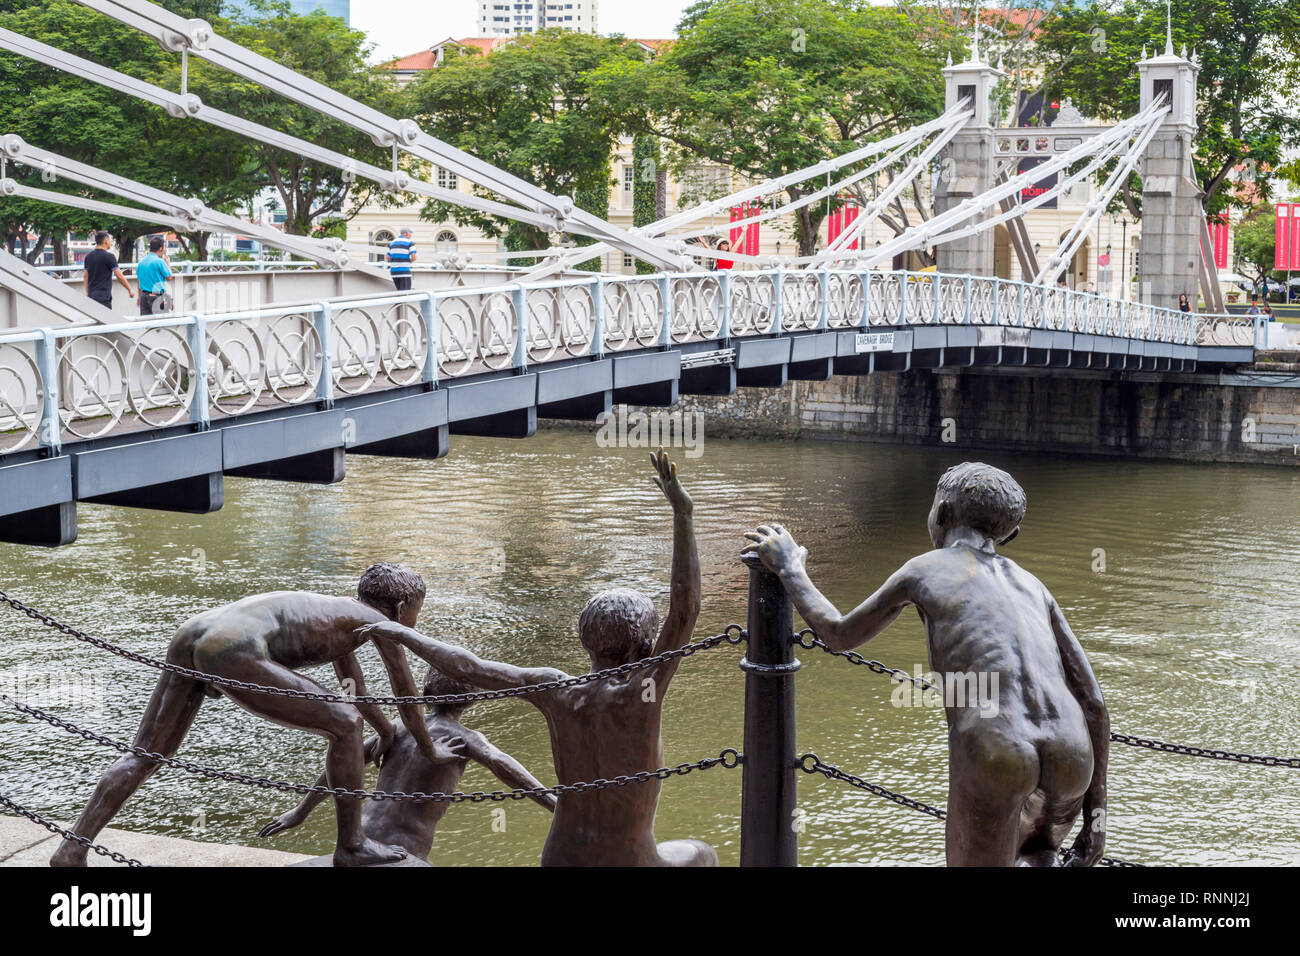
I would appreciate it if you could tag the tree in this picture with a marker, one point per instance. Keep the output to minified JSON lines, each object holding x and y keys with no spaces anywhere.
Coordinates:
{"x":92,"y":124}
{"x":1246,"y":49}
{"x":765,"y":87}
{"x":1254,"y":242}
{"x":648,"y":182}
{"x":323,"y":48}
{"x":527,"y":107}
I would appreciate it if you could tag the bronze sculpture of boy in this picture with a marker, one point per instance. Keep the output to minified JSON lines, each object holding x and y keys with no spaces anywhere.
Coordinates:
{"x":608,"y":727}
{"x":264,"y":640}
{"x":411,"y":824}
{"x":1022,"y":770}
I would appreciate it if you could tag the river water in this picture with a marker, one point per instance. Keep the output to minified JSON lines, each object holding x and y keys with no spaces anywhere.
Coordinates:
{"x":1180,"y":581}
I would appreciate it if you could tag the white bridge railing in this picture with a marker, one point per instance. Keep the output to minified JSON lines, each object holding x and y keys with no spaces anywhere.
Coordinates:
{"x":78,"y":382}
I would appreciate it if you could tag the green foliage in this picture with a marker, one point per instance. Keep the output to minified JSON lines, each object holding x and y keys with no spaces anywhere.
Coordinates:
{"x":1246,"y":49}
{"x":595,"y":200}
{"x":122,"y":134}
{"x":647,"y":180}
{"x":1255,"y":240}
{"x":770,"y":86}
{"x":324,"y":49}
{"x":527,"y":108}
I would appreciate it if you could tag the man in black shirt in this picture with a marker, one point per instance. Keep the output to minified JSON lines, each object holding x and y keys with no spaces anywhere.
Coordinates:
{"x":101,"y":269}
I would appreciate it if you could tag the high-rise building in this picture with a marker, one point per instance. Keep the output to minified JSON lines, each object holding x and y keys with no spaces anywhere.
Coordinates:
{"x":513,"y":17}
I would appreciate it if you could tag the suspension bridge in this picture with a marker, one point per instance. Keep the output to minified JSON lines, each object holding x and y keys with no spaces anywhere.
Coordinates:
{"x":281,"y":370}
{"x":280,"y":373}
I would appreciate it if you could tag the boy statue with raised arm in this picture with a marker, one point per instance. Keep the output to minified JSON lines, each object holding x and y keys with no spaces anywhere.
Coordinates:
{"x":608,"y":727}
{"x":265,"y":640}
{"x":1021,"y":767}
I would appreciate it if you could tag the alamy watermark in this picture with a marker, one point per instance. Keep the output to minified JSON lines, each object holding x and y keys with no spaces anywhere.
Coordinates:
{"x":50,"y":690}
{"x":978,"y":689}
{"x":620,"y":428}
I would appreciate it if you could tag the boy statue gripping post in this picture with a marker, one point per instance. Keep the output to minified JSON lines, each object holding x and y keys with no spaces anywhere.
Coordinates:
{"x":1021,"y":770}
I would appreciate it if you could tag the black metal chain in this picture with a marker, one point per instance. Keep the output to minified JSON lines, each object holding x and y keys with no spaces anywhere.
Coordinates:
{"x":728,"y":758}
{"x":811,"y":763}
{"x":732,"y":634}
{"x":806,"y":638}
{"x":1191,"y":751}
{"x":67,"y":834}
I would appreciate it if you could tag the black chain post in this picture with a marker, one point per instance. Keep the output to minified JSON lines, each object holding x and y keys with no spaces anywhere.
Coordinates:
{"x":768,"y":790}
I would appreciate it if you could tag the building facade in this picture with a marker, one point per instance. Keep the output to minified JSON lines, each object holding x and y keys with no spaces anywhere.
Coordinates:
{"x":513,"y":17}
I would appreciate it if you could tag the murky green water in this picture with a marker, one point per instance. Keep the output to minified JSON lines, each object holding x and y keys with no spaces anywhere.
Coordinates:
{"x":1192,"y":629}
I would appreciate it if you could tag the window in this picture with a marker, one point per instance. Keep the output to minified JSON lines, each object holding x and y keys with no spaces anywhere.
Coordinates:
{"x":627,"y":261}
{"x":445,"y":241}
{"x":1164,"y":88}
{"x":380,"y":239}
{"x":629,"y":179}
{"x":448,"y":180}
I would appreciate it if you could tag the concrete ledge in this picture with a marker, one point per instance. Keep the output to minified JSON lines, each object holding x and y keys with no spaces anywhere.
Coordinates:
{"x":23,"y":843}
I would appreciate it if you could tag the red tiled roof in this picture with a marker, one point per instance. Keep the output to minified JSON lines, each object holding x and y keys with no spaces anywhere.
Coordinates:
{"x":427,"y":59}
{"x":416,"y":61}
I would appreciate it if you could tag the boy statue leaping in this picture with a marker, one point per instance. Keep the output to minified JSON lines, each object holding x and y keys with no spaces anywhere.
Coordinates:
{"x":1021,"y":768}
{"x":265,"y":640}
{"x":608,"y":727}
{"x":410,"y":824}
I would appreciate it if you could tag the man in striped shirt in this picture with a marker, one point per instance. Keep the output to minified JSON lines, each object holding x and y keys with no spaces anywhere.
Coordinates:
{"x":401,"y":253}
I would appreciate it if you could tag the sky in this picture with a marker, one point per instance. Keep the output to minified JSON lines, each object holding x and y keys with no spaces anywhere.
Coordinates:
{"x":399,"y":27}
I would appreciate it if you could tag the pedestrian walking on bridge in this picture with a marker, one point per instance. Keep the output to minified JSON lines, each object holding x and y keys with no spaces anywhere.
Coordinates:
{"x":401,"y":254}
{"x":101,"y":269}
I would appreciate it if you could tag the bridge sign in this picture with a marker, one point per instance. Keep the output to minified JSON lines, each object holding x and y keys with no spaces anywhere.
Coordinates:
{"x":874,"y":342}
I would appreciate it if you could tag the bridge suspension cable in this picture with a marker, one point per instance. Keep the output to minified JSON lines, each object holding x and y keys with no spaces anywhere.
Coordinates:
{"x":895,"y":147}
{"x":189,"y":105}
{"x":1079,"y":230}
{"x":185,"y":215}
{"x":925,"y":234}
{"x":1021,"y":206}
{"x":197,"y":38}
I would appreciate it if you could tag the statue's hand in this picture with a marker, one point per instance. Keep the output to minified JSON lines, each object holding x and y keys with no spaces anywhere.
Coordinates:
{"x":379,"y":629}
{"x":377,"y":746}
{"x":285,"y":821}
{"x":667,"y":481}
{"x":776,"y":547}
{"x":449,"y":749}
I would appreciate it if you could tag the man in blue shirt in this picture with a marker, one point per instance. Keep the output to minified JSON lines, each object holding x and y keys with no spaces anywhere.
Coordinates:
{"x":401,"y":253}
{"x":152,"y":274}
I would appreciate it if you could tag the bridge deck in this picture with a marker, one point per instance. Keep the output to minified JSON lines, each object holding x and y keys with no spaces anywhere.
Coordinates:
{"x":407,"y":373}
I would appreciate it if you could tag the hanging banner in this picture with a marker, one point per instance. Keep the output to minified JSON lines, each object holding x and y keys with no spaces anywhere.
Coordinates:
{"x":840,"y":220}
{"x":1219,"y":231}
{"x":1040,"y":187}
{"x":1282,"y":241}
{"x":1295,"y":236}
{"x":744,"y":238}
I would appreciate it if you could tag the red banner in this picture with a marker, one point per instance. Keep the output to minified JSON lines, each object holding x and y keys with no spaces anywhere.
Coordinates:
{"x":1295,"y":236}
{"x":1219,"y":232}
{"x":1282,"y":247}
{"x":839,"y":221}
{"x":744,"y":238}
